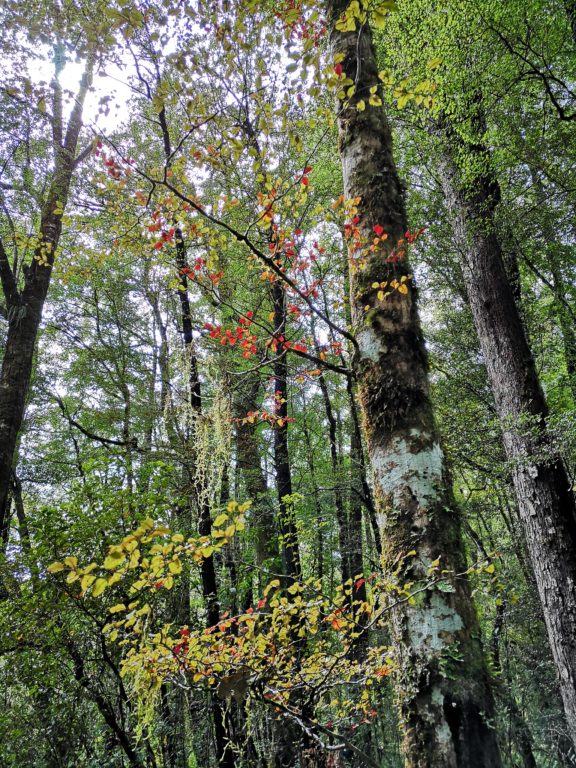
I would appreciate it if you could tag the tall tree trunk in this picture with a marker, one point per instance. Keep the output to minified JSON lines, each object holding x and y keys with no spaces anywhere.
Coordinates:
{"x":224,"y":750}
{"x":319,"y":519}
{"x":445,"y":716}
{"x":250,"y":466}
{"x":288,"y":736}
{"x":335,"y":463}
{"x":25,"y":306}
{"x":289,"y":535}
{"x":545,"y":499}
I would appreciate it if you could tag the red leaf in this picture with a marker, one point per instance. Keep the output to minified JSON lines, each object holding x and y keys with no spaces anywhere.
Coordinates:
{"x":305,"y":180}
{"x":379,"y":230}
{"x":338,"y":69}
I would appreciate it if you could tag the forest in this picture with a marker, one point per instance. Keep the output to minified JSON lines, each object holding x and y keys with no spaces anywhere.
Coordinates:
{"x":288,"y":384}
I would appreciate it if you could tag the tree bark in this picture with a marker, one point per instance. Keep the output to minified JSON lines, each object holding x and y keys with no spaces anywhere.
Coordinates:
{"x":445,"y":715}
{"x":545,"y":499}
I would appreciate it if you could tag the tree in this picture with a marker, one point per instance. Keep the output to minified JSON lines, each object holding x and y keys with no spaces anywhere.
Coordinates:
{"x":542,"y":486}
{"x":232,"y":297}
{"x":25,"y":283}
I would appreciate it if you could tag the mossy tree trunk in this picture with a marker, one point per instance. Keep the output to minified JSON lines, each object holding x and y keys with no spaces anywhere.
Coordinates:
{"x":442,"y":683}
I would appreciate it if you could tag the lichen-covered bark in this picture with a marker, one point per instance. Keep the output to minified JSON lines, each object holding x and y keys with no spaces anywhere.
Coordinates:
{"x":442,"y":683}
{"x":543,"y":490}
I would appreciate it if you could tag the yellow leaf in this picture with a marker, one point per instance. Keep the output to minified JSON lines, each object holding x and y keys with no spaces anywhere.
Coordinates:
{"x":361,"y":105}
{"x":175,"y":567}
{"x":99,"y":587}
{"x":56,"y":567}
{"x":206,"y":551}
{"x":72,"y":577}
{"x":71,"y":562}
{"x":435,"y":62}
{"x":346,"y":23}
{"x":87,"y":580}
{"x":402,"y":288}
{"x":220,"y":520}
{"x":168,"y":582}
{"x":379,"y":20}
{"x":117,"y":608}
{"x":490,"y":568}
{"x":272,"y":585}
{"x":134,"y":559}
{"x":114,"y":558}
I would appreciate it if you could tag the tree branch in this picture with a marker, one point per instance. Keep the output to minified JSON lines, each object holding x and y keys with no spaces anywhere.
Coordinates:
{"x":104,"y":440}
